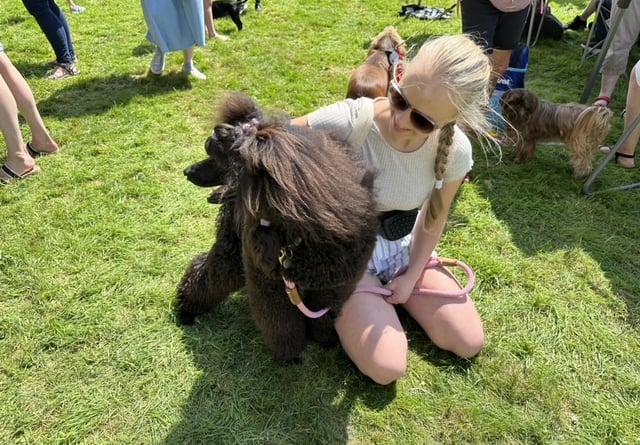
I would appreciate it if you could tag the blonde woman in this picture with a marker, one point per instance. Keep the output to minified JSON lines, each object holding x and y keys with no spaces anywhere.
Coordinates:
{"x":421,"y":157}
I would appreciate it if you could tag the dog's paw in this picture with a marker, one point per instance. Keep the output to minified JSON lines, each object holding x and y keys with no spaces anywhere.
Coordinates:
{"x":184,"y":318}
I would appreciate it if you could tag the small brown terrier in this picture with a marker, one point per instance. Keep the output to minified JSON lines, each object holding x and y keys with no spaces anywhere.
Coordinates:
{"x":531,"y":120}
{"x":371,"y":78}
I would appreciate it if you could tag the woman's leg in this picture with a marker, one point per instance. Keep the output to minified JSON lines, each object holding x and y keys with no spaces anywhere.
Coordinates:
{"x":54,"y":26}
{"x":18,"y":160}
{"x":626,"y":152}
{"x":188,"y":65}
{"x":208,"y":18}
{"x":452,"y":323}
{"x":26,"y":103}
{"x":372,"y":336}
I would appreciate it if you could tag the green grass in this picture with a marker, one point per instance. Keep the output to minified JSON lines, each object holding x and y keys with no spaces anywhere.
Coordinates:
{"x":92,"y":249}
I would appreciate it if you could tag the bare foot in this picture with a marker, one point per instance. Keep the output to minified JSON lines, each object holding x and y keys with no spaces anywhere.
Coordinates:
{"x":218,"y":36}
{"x":624,"y":160}
{"x":37,"y":148}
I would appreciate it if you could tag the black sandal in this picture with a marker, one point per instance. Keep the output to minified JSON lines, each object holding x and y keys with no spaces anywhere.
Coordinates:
{"x":624,"y":155}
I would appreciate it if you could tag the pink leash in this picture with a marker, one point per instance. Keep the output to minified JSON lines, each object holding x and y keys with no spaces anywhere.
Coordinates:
{"x":294,"y":296}
{"x":433,"y":262}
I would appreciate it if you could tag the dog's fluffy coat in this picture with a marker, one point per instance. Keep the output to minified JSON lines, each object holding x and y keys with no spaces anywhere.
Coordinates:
{"x":371,"y":78}
{"x":289,"y":190}
{"x":530,"y":119}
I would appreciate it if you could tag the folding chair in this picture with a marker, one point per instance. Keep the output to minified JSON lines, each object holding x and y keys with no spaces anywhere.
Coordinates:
{"x":612,"y":153}
{"x":593,"y":50}
{"x":615,"y":21}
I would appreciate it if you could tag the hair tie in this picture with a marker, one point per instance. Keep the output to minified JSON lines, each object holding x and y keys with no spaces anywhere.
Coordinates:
{"x":439,"y":183}
{"x":253,"y":122}
{"x":265,"y":222}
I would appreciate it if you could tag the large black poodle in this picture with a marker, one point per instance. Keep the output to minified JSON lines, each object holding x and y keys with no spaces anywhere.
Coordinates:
{"x":297,"y":219}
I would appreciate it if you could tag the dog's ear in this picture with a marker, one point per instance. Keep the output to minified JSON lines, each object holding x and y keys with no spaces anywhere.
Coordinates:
{"x":518,"y":105}
{"x":266,"y":249}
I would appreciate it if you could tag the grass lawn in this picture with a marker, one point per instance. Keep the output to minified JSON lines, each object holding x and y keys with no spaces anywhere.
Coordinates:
{"x":92,"y":249}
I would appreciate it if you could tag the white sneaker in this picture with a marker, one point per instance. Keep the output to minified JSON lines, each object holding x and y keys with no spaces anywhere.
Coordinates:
{"x":193,"y":71}
{"x":157,"y":61}
{"x":78,"y":9}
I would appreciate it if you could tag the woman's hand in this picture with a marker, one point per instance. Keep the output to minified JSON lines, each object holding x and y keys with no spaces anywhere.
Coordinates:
{"x":402,"y":287}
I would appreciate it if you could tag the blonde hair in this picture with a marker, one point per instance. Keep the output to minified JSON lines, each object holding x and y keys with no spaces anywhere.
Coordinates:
{"x":463,"y":68}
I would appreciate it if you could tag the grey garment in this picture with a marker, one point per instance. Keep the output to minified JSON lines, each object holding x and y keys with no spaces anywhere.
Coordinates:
{"x":626,"y":34}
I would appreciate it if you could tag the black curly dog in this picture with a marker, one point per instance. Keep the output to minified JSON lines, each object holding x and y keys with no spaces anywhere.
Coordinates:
{"x":233,"y":10}
{"x":296,"y":205}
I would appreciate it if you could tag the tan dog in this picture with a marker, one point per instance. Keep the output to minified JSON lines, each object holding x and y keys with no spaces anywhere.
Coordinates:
{"x":530,"y":120}
{"x":371,"y":78}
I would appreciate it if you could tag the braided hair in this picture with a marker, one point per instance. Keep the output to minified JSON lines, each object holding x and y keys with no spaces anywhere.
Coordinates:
{"x":463,"y":68}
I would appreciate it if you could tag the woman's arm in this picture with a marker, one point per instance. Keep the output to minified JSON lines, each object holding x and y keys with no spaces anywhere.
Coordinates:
{"x":422,"y":246}
{"x":301,"y":121}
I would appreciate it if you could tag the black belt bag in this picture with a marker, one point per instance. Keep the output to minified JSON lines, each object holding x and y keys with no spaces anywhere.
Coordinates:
{"x":397,"y":224}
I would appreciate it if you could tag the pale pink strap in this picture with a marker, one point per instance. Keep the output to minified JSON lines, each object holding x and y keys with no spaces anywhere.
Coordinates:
{"x":433,"y":262}
{"x":294,"y":297}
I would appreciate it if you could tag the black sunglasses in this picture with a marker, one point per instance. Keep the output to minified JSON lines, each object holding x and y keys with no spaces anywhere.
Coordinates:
{"x":420,"y":121}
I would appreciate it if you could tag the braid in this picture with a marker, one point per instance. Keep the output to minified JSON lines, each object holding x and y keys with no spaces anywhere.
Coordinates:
{"x":445,"y":140}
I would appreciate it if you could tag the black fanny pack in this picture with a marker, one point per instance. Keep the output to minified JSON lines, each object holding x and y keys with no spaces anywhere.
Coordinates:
{"x":397,"y":224}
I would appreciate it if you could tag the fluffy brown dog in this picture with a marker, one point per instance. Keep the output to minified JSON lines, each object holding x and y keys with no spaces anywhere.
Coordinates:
{"x":297,"y":210}
{"x":371,"y":78}
{"x":530,"y":120}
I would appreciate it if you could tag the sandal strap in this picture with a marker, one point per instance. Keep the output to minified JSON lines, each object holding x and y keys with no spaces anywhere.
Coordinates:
{"x":624,"y":155}
{"x":9,"y":172}
{"x":606,"y":99}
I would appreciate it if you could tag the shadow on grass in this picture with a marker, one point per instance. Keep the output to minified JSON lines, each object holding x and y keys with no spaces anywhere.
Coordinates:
{"x":541,"y":202}
{"x":94,"y":96}
{"x":99,"y":95}
{"x":546,"y":212}
{"x":242,"y":396}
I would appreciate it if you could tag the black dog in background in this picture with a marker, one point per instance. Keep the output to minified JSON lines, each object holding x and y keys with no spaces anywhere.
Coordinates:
{"x":233,"y":10}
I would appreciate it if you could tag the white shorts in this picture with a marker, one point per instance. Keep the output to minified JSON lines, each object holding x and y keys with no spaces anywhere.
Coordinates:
{"x":389,"y":257}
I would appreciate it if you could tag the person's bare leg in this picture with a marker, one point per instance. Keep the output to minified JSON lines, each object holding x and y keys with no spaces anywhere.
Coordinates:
{"x":209,"y":23}
{"x":189,"y":67}
{"x":452,"y":323}
{"x":372,"y":336}
{"x":18,"y":160}
{"x":626,"y":152}
{"x":26,"y":103}
{"x":607,"y":86}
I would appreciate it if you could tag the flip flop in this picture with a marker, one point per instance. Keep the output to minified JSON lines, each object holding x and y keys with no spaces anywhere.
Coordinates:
{"x":36,"y":153}
{"x":13,"y":175}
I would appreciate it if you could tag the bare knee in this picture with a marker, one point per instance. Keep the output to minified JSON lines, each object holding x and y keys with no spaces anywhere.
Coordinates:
{"x":387,"y":365}
{"x":465,"y":346}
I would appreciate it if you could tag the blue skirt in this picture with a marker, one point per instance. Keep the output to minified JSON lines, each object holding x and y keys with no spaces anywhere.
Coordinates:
{"x":174,"y":25}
